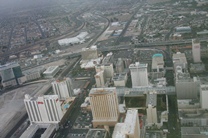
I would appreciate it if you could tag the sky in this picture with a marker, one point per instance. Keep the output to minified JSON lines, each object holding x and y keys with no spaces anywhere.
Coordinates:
{"x":11,"y":6}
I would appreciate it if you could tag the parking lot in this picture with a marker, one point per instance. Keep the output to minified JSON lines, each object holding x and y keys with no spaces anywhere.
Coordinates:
{"x":83,"y":120}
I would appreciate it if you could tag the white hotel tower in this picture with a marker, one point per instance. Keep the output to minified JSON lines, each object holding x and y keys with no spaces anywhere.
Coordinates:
{"x":139,"y":75}
{"x":104,"y":105}
{"x":45,"y":109}
{"x":63,"y":88}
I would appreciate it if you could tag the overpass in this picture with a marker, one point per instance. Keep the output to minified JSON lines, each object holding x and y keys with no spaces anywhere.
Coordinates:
{"x":170,"y":90}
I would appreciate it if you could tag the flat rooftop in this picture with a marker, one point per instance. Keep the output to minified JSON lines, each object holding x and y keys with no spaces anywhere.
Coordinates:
{"x":195,"y":41}
{"x":8,"y":65}
{"x":194,"y":130}
{"x":33,"y":70}
{"x":157,"y":61}
{"x":119,"y":76}
{"x":102,"y":90}
{"x":92,"y":48}
{"x":30,"y":130}
{"x":151,"y":100}
{"x":128,"y":127}
{"x":204,"y":87}
{"x":144,"y":90}
{"x":50,"y":69}
{"x":138,"y":65}
{"x":179,"y":58}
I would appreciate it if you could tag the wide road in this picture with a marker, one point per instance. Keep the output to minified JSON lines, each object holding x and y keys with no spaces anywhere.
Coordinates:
{"x":173,"y":118}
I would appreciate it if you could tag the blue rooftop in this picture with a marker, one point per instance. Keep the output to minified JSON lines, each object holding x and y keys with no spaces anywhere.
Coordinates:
{"x":157,"y":55}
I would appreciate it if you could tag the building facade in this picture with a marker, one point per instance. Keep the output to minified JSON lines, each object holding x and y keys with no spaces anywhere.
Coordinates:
{"x":204,"y":96}
{"x":130,"y":128}
{"x":196,"y":50}
{"x":45,"y":109}
{"x":107,"y":68}
{"x":120,"y":79}
{"x":104,"y":105}
{"x":186,"y":87}
{"x":99,"y":79}
{"x":63,"y":88}
{"x":9,"y":74}
{"x":139,"y":75}
{"x":119,"y":66}
{"x":179,"y":59}
{"x":51,"y":72}
{"x":152,"y":109}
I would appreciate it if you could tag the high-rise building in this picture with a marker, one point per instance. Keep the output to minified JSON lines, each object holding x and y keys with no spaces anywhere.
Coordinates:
{"x":157,"y":63}
{"x":139,"y":75}
{"x":179,"y":59}
{"x":45,"y":109}
{"x":120,"y":66}
{"x":10,"y":73}
{"x":99,"y":78}
{"x":204,"y":96}
{"x":196,"y":50}
{"x":130,"y":128}
{"x":104,"y":105}
{"x":63,"y":88}
{"x":127,"y":62}
{"x":107,"y":68}
{"x":151,"y":109}
{"x":186,"y":87}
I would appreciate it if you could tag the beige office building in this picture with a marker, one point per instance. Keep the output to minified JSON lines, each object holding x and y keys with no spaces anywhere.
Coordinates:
{"x":104,"y":105}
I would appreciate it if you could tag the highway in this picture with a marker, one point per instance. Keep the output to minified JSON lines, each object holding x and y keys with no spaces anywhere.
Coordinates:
{"x":141,"y":45}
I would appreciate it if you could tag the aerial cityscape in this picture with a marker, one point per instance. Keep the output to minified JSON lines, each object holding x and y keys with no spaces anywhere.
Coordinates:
{"x":104,"y":69}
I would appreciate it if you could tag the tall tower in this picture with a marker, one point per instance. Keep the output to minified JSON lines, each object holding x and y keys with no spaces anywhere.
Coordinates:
{"x":104,"y":105}
{"x":196,"y":50}
{"x":130,"y":128}
{"x":63,"y":88}
{"x":99,"y":78}
{"x":139,"y":76}
{"x":45,"y":109}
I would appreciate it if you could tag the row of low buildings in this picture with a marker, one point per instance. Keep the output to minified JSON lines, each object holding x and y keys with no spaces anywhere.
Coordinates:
{"x":192,"y":94}
{"x":11,"y":74}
